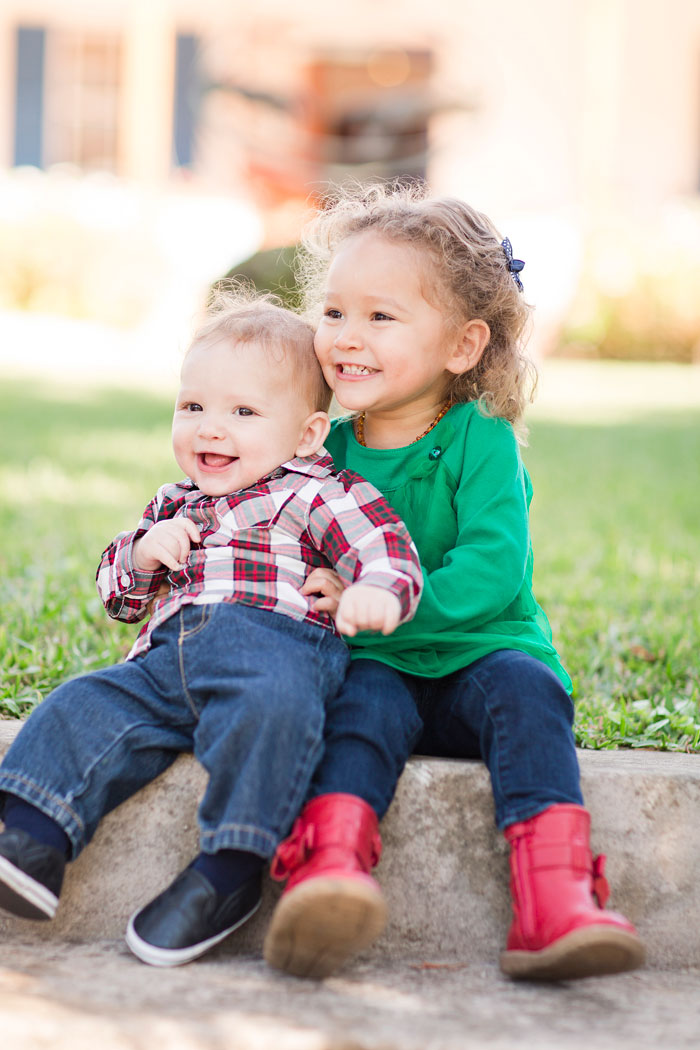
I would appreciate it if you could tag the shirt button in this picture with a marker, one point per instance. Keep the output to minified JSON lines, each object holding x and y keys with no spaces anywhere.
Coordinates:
{"x":435,"y":453}
{"x":125,"y":579}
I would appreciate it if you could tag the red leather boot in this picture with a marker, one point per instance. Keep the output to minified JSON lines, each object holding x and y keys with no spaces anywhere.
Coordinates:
{"x":331,"y":907}
{"x":559,"y":890}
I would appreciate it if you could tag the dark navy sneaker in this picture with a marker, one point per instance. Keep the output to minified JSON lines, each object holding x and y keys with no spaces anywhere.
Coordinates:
{"x":31,"y":875}
{"x":190,"y":917}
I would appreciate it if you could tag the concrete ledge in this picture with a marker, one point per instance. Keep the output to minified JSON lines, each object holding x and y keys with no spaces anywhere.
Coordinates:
{"x":444,"y":867}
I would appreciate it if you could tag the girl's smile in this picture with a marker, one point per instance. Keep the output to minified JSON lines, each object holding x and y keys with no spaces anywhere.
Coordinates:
{"x":347,"y":370}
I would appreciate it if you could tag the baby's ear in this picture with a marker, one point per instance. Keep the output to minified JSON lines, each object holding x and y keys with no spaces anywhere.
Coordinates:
{"x":472,"y":339}
{"x":314,"y":433}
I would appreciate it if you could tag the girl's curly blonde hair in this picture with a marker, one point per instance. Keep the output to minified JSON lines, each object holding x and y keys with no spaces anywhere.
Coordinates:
{"x":469,"y":278}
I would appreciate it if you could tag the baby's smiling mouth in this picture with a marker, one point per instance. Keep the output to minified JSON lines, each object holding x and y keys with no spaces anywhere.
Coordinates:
{"x":215,"y":461}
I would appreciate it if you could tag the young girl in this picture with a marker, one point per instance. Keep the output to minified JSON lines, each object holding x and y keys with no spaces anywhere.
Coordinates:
{"x":420,"y":339}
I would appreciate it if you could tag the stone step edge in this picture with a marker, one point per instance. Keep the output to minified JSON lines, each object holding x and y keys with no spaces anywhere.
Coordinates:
{"x":444,"y":867}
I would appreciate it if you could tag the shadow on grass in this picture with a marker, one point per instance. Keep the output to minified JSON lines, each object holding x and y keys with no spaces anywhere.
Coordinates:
{"x":39,"y":408}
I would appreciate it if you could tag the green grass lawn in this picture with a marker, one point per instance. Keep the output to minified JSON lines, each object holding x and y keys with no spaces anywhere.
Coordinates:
{"x":617,"y":565}
{"x":615,"y":526}
{"x":75,"y":471}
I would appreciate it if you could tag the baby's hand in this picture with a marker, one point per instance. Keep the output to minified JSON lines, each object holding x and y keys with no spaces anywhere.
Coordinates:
{"x":366,"y":608}
{"x":325,"y":582}
{"x":166,"y":543}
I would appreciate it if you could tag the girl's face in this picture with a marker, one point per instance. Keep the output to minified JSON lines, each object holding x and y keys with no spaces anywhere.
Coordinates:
{"x":382,"y":345}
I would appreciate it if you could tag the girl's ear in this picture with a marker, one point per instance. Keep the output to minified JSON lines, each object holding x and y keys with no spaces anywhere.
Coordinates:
{"x":472,"y":340}
{"x":314,"y":432}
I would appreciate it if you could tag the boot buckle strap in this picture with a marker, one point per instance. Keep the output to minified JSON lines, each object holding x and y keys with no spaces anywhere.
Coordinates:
{"x":577,"y":857}
{"x":573,"y":855}
{"x":293,"y":851}
{"x":601,"y":888}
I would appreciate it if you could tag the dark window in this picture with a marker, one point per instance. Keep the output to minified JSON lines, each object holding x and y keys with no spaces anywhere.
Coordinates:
{"x":186,"y":102}
{"x":29,"y":98}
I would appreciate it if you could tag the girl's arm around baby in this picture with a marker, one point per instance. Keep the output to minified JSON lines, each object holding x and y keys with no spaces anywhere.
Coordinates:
{"x":367,"y":544}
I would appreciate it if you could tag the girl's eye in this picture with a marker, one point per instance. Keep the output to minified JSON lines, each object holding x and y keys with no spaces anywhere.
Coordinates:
{"x":243,"y":411}
{"x":332,"y":313}
{"x":192,"y":406}
{"x":379,"y":316}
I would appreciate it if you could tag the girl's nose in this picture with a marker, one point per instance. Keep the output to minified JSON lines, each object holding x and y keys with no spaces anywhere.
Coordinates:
{"x":348,"y":338}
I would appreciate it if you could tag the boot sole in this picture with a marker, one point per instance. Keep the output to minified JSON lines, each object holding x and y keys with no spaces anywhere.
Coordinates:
{"x":589,"y":952}
{"x":22,"y":895}
{"x":319,"y":924}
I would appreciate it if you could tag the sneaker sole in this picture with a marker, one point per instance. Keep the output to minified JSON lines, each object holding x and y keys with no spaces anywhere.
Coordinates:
{"x":589,"y":952}
{"x":22,"y":895}
{"x":156,"y":956}
{"x":319,"y":924}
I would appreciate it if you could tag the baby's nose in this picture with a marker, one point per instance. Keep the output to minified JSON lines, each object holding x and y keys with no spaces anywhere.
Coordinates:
{"x":210,"y":426}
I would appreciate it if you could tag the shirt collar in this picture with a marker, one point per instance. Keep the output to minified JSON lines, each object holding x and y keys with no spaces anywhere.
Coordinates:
{"x":319,"y":465}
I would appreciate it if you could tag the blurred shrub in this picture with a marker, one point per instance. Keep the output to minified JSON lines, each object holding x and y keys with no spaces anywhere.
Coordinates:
{"x":638,"y":294}
{"x":77,"y":246}
{"x":271,"y":270}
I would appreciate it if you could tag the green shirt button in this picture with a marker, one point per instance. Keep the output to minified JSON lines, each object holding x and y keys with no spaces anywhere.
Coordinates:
{"x":435,"y":453}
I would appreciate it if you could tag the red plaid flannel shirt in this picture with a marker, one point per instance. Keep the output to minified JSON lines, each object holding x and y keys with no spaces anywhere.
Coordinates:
{"x":259,"y":545}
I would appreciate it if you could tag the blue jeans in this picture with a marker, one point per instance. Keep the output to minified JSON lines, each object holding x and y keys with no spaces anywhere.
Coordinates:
{"x":507,"y":708}
{"x":243,"y":688}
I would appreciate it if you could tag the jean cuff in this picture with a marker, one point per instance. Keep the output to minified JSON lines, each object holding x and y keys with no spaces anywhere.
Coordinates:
{"x":239,"y":836}
{"x":58,"y":810}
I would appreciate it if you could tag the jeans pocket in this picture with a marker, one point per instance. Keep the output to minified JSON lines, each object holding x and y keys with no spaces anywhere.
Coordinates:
{"x":193,"y":619}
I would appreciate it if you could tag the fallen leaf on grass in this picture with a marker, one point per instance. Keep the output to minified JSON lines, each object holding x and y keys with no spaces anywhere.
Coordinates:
{"x":439,"y":966}
{"x":645,"y":654}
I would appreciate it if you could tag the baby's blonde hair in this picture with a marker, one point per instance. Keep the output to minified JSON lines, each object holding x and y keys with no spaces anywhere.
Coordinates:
{"x":469,"y":278}
{"x":239,"y":313}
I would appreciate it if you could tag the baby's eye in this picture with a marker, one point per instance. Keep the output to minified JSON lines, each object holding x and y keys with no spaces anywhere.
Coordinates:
{"x":379,"y":316}
{"x":192,"y":406}
{"x":242,"y":410}
{"x":332,"y":313}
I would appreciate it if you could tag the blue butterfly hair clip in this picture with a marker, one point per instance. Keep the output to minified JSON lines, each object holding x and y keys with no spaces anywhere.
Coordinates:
{"x":514,"y":265}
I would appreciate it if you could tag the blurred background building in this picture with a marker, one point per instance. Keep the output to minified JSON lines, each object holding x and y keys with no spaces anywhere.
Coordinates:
{"x":196,"y":132}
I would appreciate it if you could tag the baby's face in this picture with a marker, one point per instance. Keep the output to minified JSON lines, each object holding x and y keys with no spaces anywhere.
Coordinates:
{"x":237,"y":416}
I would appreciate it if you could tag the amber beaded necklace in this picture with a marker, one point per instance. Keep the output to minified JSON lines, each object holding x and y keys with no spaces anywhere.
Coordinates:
{"x":360,"y":424}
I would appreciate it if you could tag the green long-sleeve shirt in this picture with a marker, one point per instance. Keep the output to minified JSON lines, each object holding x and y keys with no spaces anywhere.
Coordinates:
{"x":464,"y":494}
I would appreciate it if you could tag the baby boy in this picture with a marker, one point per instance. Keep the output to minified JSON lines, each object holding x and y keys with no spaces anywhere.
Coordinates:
{"x":235,"y":663}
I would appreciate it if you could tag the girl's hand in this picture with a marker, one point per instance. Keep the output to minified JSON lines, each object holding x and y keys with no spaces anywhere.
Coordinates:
{"x":325,"y":582}
{"x":366,"y":608}
{"x":166,"y":543}
{"x":162,"y":592}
